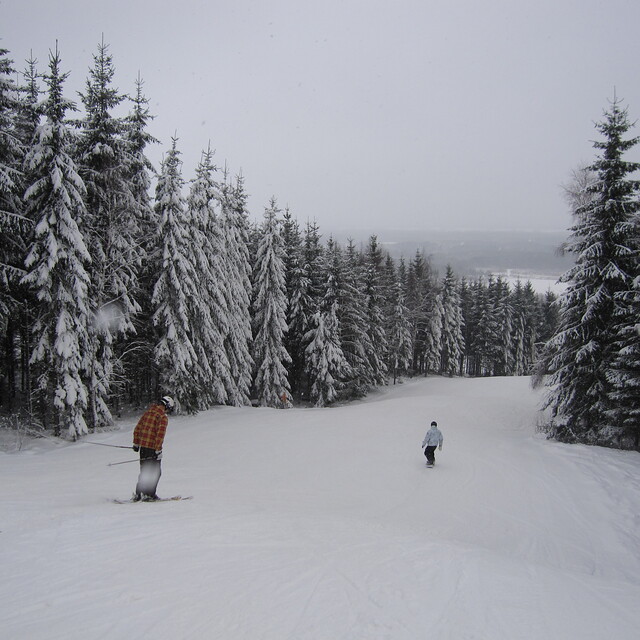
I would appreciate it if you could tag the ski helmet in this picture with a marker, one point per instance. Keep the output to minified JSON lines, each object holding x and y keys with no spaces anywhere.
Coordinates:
{"x":168,"y":403}
{"x":434,"y":424}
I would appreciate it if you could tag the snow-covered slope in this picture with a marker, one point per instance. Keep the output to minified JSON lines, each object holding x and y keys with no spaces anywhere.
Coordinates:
{"x":326,"y":525}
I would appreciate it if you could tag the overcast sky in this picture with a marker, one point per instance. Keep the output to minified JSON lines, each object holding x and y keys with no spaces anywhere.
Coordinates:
{"x":413,"y":114}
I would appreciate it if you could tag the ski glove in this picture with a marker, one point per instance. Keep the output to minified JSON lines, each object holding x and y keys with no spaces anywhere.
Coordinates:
{"x":159,"y":455}
{"x":440,"y":448}
{"x":136,"y":448}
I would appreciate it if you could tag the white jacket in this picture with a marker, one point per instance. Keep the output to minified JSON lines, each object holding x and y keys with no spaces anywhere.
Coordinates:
{"x":433,"y":438}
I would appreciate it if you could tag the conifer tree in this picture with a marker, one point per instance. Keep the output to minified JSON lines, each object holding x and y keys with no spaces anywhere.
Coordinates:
{"x":485,"y":328}
{"x":400,"y":344}
{"x":624,"y":377}
{"x":519,"y":355}
{"x":56,"y":265}
{"x":137,"y":347}
{"x":583,"y":352}
{"x":208,"y":308}
{"x":548,"y":317}
{"x":348,"y":275}
{"x":526,"y":310}
{"x":13,"y":224}
{"x":532,"y":309}
{"x":452,"y":340}
{"x":297,"y":286}
{"x":175,"y":288}
{"x":420,"y":298}
{"x":139,"y":169}
{"x":314,"y":265}
{"x":466,"y":306}
{"x":14,"y":240}
{"x":433,"y":334}
{"x":430,"y":314}
{"x":237,"y":285}
{"x":501,"y":327}
{"x":305,"y":301}
{"x":110,"y":228}
{"x":376,"y":295}
{"x":31,"y":106}
{"x":327,"y":366}
{"x":389,"y":280}
{"x":269,"y":315}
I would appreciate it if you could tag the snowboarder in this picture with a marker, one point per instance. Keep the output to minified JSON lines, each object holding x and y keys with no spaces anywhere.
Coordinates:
{"x":148,"y":437}
{"x":432,"y":440}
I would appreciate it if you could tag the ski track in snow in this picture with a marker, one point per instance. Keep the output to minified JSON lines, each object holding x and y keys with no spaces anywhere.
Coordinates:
{"x":326,"y":525}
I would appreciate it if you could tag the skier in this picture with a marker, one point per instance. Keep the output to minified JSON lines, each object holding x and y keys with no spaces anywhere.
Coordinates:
{"x":432,"y":440}
{"x":148,"y":437}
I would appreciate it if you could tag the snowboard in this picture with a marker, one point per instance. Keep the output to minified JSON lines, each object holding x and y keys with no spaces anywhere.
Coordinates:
{"x":172,"y":498}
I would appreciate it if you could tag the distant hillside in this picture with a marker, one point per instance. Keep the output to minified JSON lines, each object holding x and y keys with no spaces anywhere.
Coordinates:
{"x":474,"y":252}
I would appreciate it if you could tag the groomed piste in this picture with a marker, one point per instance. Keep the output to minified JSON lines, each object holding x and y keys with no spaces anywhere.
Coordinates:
{"x":325,"y":524}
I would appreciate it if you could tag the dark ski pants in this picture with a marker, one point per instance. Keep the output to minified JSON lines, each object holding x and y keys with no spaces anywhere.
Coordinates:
{"x":150,"y":472}
{"x":430,"y":454}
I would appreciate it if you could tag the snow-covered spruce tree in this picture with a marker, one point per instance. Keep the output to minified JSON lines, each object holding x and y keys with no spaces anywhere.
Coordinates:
{"x":111,"y":228}
{"x":135,"y":350}
{"x":470,"y":311}
{"x":400,"y":343}
{"x":526,"y":311}
{"x":581,"y":356}
{"x":413,"y":301}
{"x":501,"y":346}
{"x":433,"y":334}
{"x":14,"y":227}
{"x":452,"y":336}
{"x":237,"y":285}
{"x":314,"y":264}
{"x":139,"y":169}
{"x":326,"y":364}
{"x":31,"y":106}
{"x":12,"y":221}
{"x":532,"y":304}
{"x":352,"y":317}
{"x":376,"y":321}
{"x":19,"y":326}
{"x":624,"y":376}
{"x":486,"y":329}
{"x":175,"y":288}
{"x":56,"y":266}
{"x":269,"y":308}
{"x":297,"y":286}
{"x":548,"y":318}
{"x":305,"y":284}
{"x":29,"y":114}
{"x":485,"y":342}
{"x":309,"y":297}
{"x":420,"y":297}
{"x":518,"y":336}
{"x":209,"y":310}
{"x":467,"y":333}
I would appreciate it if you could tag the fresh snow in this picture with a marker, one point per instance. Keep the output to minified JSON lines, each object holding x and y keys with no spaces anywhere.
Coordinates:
{"x":325,"y":524}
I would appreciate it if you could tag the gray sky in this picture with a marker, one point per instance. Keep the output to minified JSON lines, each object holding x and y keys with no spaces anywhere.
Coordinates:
{"x":414,"y":114}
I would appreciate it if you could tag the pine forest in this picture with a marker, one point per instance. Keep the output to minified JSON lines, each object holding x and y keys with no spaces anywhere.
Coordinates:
{"x":120,"y":281}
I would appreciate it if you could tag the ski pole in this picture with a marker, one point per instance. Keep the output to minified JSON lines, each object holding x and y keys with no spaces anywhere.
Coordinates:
{"x":113,"y":464}
{"x":101,"y":444}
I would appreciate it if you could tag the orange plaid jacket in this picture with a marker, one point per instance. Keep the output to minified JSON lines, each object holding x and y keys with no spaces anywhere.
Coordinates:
{"x":151,"y":427}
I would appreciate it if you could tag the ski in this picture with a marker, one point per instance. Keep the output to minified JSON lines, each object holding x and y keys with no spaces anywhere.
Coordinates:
{"x":172,"y":498}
